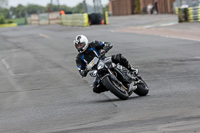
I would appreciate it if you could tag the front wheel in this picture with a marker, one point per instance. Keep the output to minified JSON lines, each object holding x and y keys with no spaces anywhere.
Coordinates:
{"x":116,"y":89}
{"x":142,"y":89}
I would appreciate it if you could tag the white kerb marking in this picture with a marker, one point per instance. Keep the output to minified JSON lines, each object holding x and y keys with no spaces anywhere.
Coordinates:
{"x":7,"y":67}
{"x":42,"y":35}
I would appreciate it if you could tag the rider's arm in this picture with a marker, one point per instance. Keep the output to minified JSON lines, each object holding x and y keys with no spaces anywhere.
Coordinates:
{"x":81,"y":67}
{"x":103,"y":45}
{"x":107,"y":46}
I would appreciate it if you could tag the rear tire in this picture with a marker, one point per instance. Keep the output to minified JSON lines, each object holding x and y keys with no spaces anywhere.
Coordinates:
{"x":110,"y":85}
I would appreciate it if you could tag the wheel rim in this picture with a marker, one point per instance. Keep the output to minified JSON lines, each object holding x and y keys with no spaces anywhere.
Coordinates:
{"x":119,"y":87}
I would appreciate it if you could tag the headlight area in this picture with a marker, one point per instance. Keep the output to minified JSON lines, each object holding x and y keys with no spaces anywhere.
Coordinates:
{"x":100,"y":65}
{"x":93,"y":73}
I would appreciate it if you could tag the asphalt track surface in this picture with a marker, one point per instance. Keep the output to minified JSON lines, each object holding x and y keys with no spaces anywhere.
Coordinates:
{"x":41,"y":90}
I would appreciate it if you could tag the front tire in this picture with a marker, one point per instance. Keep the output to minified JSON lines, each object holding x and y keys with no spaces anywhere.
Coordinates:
{"x":142,"y":89}
{"x":112,"y":86}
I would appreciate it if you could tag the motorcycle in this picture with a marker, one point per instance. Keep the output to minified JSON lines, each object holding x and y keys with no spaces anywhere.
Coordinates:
{"x":116,"y":78}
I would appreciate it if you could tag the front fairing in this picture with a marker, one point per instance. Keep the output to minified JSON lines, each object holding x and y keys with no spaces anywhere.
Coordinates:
{"x":92,"y":63}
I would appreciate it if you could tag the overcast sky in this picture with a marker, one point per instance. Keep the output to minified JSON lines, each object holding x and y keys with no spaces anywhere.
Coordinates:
{"x":44,"y":2}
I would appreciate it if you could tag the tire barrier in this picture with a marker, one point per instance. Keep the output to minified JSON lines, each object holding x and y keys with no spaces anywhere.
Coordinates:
{"x":182,"y":15}
{"x":98,"y":18}
{"x":75,"y":19}
{"x":86,"y":20}
{"x":176,"y":11}
{"x":191,"y":14}
{"x":95,"y":18}
{"x":194,"y":14}
{"x":68,"y":19}
{"x":106,"y":17}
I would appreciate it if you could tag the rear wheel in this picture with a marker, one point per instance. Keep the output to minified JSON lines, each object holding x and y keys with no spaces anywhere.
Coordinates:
{"x":118,"y":90}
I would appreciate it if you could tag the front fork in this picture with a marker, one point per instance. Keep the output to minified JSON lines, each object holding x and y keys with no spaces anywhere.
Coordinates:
{"x":96,"y":82}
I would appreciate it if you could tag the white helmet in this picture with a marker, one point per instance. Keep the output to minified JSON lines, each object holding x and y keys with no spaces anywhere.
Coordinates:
{"x":81,"y":43}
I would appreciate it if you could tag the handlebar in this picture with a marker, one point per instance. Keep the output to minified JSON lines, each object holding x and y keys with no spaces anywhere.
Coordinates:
{"x":102,"y":54}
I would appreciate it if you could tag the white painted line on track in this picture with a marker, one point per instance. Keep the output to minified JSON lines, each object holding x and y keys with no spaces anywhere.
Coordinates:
{"x":181,"y":38}
{"x":7,"y":67}
{"x":169,"y":24}
{"x":45,"y":36}
{"x":148,"y":26}
{"x":159,"y":25}
{"x":11,"y":73}
{"x":198,"y":57}
{"x":5,"y":63}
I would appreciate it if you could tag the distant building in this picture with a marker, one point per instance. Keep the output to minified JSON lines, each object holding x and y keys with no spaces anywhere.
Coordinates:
{"x":128,"y":7}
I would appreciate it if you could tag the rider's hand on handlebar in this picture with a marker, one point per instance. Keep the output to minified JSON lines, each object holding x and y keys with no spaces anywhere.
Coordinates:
{"x":84,"y":72}
{"x":102,"y":51}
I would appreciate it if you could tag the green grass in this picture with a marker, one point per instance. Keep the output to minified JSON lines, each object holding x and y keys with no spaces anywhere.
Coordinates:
{"x":19,"y":21}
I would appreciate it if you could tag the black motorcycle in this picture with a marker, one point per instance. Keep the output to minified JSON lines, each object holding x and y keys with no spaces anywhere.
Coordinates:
{"x":116,"y":78}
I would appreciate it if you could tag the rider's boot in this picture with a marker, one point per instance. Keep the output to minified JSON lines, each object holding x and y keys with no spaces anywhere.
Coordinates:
{"x":132,"y":69}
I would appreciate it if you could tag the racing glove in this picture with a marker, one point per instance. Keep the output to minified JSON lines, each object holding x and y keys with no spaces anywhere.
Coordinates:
{"x":107,"y":46}
{"x":83,"y":73}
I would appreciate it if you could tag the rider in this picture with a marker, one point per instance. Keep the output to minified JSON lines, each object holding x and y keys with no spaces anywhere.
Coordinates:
{"x":87,"y":51}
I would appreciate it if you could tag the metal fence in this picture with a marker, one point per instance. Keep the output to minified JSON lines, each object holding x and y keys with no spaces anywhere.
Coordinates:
{"x":92,"y":6}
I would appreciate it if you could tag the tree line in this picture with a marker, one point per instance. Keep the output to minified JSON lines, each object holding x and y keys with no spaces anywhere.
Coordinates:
{"x":24,"y":11}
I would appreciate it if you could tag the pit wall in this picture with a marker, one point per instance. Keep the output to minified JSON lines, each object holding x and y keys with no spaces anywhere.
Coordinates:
{"x":56,"y":18}
{"x":45,"y":18}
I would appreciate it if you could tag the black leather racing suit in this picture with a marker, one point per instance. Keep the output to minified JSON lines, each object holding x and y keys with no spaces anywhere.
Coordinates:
{"x":82,"y":59}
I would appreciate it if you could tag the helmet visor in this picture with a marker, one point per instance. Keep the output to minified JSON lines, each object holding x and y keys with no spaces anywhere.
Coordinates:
{"x":79,"y":46}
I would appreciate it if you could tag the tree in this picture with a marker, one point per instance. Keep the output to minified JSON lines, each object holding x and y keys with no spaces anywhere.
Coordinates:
{"x":53,"y":8}
{"x":65,"y":8}
{"x":21,"y":11}
{"x":18,"y":11}
{"x":4,"y":12}
{"x":3,"y":3}
{"x":78,"y":8}
{"x":106,"y":8}
{"x":32,"y":9}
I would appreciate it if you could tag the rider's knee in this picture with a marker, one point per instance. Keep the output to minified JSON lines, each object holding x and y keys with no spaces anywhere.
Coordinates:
{"x":116,"y":58}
